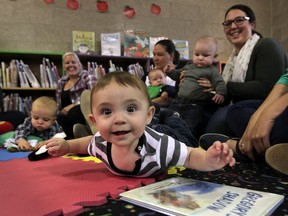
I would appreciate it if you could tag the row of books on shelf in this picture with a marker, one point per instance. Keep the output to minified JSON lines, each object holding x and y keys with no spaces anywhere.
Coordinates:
{"x":19,"y":74}
{"x":135,"y":43}
{"x":15,"y":102}
{"x":99,"y":71}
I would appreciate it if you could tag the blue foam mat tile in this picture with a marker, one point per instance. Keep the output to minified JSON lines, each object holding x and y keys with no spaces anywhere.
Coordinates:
{"x":6,"y":155}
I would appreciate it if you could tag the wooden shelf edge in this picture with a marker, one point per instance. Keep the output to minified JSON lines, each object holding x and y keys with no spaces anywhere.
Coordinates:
{"x":34,"y":89}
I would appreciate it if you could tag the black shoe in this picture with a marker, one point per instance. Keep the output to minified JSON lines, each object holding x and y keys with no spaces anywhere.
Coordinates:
{"x":206,"y":140}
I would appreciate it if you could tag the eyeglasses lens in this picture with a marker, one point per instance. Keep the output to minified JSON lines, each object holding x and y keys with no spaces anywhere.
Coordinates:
{"x":238,"y":21}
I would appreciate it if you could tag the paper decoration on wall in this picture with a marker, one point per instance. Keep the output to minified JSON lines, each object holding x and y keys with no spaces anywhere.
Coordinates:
{"x":49,"y":1}
{"x":129,"y":12}
{"x":155,"y":9}
{"x":73,"y":4}
{"x":102,"y":6}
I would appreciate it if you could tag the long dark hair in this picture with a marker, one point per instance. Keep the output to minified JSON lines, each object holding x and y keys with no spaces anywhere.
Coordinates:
{"x":170,"y":48}
{"x":248,"y":11}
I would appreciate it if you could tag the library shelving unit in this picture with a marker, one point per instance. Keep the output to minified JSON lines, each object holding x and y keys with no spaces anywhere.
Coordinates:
{"x":33,"y":59}
{"x":221,"y":65}
{"x":118,"y":61}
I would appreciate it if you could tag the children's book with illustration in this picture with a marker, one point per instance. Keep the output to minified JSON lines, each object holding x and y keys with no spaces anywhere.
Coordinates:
{"x":111,"y":44}
{"x":136,"y":43}
{"x":83,"y":42}
{"x":184,"y":196}
{"x":182,"y":46}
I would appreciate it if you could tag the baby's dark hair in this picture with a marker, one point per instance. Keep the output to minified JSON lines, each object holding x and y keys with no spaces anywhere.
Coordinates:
{"x":170,"y":48}
{"x":249,"y":13}
{"x":122,"y":78}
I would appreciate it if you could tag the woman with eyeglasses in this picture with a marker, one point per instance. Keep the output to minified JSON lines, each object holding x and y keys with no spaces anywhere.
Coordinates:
{"x":259,"y":124}
{"x":255,"y":65}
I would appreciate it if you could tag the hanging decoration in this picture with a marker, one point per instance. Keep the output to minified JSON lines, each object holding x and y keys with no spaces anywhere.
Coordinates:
{"x":49,"y":1}
{"x":129,"y":12}
{"x":102,"y":6}
{"x":73,"y":4}
{"x":155,"y":9}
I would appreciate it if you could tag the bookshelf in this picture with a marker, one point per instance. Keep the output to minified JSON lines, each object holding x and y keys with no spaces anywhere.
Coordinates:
{"x":118,"y":61}
{"x":221,"y":65}
{"x":33,"y":59}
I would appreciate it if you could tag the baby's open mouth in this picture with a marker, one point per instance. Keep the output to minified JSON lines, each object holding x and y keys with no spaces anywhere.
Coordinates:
{"x":120,"y":132}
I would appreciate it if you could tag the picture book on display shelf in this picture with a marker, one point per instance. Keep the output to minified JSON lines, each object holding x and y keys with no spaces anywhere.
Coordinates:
{"x":182,"y":46}
{"x":83,"y":42}
{"x":111,"y":44}
{"x":136,"y":43}
{"x":184,"y":196}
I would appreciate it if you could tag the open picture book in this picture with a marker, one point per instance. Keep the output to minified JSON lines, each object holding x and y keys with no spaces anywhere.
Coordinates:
{"x":184,"y":196}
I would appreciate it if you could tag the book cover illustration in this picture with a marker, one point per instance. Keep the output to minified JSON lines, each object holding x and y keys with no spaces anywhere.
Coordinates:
{"x":111,"y":44}
{"x":83,"y":42}
{"x":183,"y":196}
{"x":152,"y":42}
{"x":182,"y":46}
{"x":136,"y":43}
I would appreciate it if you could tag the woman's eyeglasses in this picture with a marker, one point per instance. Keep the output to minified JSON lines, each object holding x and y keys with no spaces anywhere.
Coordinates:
{"x":238,"y":21}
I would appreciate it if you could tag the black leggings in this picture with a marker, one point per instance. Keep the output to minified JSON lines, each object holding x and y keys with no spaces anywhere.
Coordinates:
{"x":67,"y":122}
{"x":239,"y":115}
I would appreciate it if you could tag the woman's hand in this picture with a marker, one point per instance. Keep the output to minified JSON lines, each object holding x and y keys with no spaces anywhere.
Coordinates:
{"x":66,"y":109}
{"x":169,"y":68}
{"x":256,"y":136}
{"x":162,"y":102}
{"x":205,"y":83}
{"x":165,"y":96}
{"x":182,"y":77}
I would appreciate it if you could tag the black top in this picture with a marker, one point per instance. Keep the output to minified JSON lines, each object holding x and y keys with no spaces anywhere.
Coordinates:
{"x":65,"y":98}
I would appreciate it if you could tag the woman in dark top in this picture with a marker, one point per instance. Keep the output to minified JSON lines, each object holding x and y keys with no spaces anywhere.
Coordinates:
{"x":253,"y":68}
{"x":69,"y":90}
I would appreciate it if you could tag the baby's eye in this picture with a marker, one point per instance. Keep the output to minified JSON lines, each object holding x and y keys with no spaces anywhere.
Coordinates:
{"x":106,"y":111}
{"x":131,"y":109}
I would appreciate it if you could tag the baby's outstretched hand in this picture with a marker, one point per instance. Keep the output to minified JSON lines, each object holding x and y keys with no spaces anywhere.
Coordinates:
{"x":218,"y":98}
{"x":57,"y":147}
{"x":219,"y":155}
